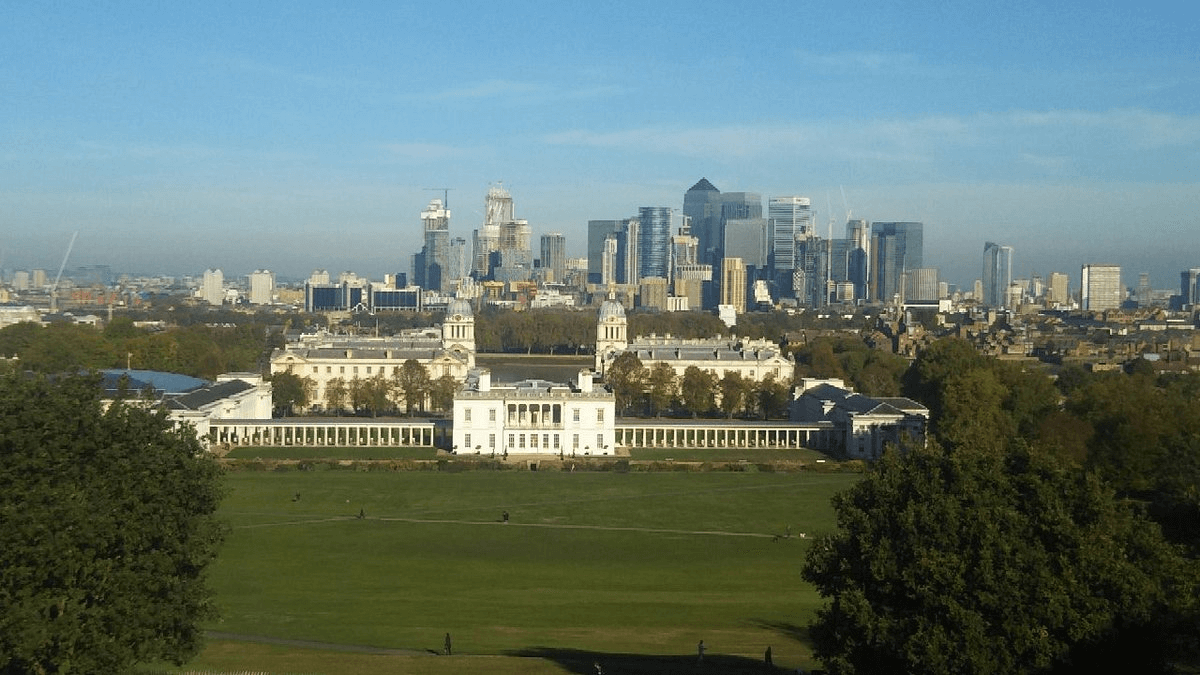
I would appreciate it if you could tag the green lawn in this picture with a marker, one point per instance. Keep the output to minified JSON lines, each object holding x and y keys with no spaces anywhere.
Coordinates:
{"x":300,"y":452}
{"x":804,"y":455}
{"x":626,"y":569}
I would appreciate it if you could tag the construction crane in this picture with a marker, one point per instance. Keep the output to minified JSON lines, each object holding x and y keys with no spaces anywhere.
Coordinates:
{"x":445,"y":196}
{"x":58,"y":277}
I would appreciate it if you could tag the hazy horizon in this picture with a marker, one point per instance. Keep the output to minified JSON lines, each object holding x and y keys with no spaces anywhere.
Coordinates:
{"x":301,"y":136}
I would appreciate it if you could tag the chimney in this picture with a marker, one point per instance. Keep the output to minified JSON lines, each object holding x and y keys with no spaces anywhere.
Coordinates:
{"x":585,"y":381}
{"x":485,"y":380}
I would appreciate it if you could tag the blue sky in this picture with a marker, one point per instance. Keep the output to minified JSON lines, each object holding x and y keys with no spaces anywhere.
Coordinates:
{"x":294,"y":136}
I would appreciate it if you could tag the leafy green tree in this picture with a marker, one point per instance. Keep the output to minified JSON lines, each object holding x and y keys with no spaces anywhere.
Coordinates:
{"x":663,"y":386}
{"x":442,"y":392}
{"x":336,"y":395}
{"x":290,"y":391}
{"x":772,"y":397}
{"x":968,"y":560}
{"x":698,"y":390}
{"x":734,"y":390}
{"x":106,"y":529}
{"x":627,"y":377}
{"x":412,"y":383}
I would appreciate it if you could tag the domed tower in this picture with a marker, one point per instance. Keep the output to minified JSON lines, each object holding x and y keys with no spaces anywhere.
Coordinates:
{"x":458,"y":330}
{"x":611,"y":335}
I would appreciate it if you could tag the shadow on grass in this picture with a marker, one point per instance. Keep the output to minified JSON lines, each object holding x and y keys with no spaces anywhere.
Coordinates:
{"x":584,"y":662}
{"x":790,"y":631}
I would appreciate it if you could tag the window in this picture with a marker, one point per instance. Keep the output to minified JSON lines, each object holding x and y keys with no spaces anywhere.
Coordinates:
{"x":341,"y":369}
{"x":510,"y":440}
{"x":574,"y":414}
{"x":492,"y":441}
{"x":533,"y":440}
{"x":600,"y":415}
{"x":316,"y":369}
{"x":545,"y":440}
{"x":574,"y":441}
{"x":466,"y":414}
{"x":467,"y":441}
{"x":521,"y":441}
{"x":491,"y":414}
{"x":599,"y":441}
{"x":368,"y":370}
{"x":556,"y":441}
{"x":355,"y":370}
{"x":328,"y":369}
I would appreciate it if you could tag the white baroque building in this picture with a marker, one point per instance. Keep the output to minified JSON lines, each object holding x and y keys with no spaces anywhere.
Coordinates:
{"x":534,"y":417}
{"x":322,"y":357}
{"x":752,"y":359}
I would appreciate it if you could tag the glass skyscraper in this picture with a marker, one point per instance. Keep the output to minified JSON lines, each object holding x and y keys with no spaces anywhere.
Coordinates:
{"x":895,"y":249}
{"x":654,"y":241}
{"x":997,"y":273}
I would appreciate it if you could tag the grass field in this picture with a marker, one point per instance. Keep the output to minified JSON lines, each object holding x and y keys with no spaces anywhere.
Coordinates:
{"x":626,"y":569}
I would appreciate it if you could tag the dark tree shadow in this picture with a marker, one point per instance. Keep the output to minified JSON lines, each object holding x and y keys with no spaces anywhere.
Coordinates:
{"x":582,"y":662}
{"x":791,"y":631}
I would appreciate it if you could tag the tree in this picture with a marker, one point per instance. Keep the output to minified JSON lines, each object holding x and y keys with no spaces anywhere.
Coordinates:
{"x":106,"y":530}
{"x":442,"y":392}
{"x":336,"y":393}
{"x":627,"y":377}
{"x":698,"y":389}
{"x":734,"y":389}
{"x":411,"y":382}
{"x":663,"y":385}
{"x":772,"y":397}
{"x":968,"y":560}
{"x":290,"y":391}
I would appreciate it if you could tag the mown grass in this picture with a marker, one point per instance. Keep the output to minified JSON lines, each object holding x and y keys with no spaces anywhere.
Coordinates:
{"x":629,"y":569}
{"x":357,"y":453}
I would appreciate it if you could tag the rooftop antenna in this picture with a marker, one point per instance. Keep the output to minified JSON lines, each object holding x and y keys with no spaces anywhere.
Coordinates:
{"x":57,"y":277}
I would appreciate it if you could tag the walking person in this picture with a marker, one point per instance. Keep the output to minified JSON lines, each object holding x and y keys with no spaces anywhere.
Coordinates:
{"x":700,"y":652}
{"x":448,"y":652}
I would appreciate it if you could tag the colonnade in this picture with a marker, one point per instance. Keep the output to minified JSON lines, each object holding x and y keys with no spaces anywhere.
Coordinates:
{"x":719,"y":435}
{"x":325,"y":433}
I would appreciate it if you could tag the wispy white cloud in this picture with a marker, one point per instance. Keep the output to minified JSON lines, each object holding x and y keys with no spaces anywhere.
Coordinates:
{"x":1058,"y":136}
{"x":513,"y":91}
{"x":857,"y":60}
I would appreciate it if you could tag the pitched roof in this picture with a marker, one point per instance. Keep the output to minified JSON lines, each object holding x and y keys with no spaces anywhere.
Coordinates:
{"x":703,"y":186}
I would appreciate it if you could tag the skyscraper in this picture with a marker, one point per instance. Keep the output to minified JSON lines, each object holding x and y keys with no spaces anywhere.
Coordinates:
{"x":653,"y":241}
{"x":435,"y":256}
{"x":733,"y":284}
{"x":1189,"y":286}
{"x":790,"y":221}
{"x":497,"y":210}
{"x":598,"y":232}
{"x":701,"y":204}
{"x":262,"y":287}
{"x":212,"y":289}
{"x":1101,"y":287}
{"x":895,"y":248}
{"x":997,"y":273}
{"x":554,"y":256}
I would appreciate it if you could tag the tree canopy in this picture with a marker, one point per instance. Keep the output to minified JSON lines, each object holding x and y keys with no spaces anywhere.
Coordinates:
{"x":106,"y":528}
{"x":972,"y":560}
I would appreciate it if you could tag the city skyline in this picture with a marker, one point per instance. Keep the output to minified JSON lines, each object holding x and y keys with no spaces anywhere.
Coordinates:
{"x":300,"y":137}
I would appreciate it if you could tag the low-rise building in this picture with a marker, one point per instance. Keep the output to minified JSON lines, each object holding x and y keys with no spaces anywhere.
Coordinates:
{"x":863,"y":426}
{"x":534,"y":417}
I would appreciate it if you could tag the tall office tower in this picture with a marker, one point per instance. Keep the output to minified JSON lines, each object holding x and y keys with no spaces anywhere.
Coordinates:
{"x":435,"y":256}
{"x":790,"y":220}
{"x":319,"y":277}
{"x":460,"y":260}
{"x":497,"y":210}
{"x":997,"y":273}
{"x":733,"y":284}
{"x":20,"y":280}
{"x":1189,"y":286}
{"x":262,"y":287}
{"x":701,"y":205}
{"x":859,"y":232}
{"x":554,"y":256}
{"x":844,"y":255}
{"x":684,"y":249}
{"x":1101,"y":287}
{"x":921,"y":285}
{"x":628,"y":251}
{"x":598,"y":233}
{"x":653,"y":241}
{"x":212,"y":288}
{"x":1143,"y":289}
{"x":608,"y":261}
{"x":39,"y":279}
{"x":895,"y":248}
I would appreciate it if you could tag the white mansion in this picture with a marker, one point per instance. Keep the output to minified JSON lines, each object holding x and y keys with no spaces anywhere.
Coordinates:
{"x":752,"y":359}
{"x":323,"y":357}
{"x":534,"y":417}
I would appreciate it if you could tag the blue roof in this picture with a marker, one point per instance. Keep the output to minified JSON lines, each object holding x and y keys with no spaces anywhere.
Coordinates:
{"x":162,"y":383}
